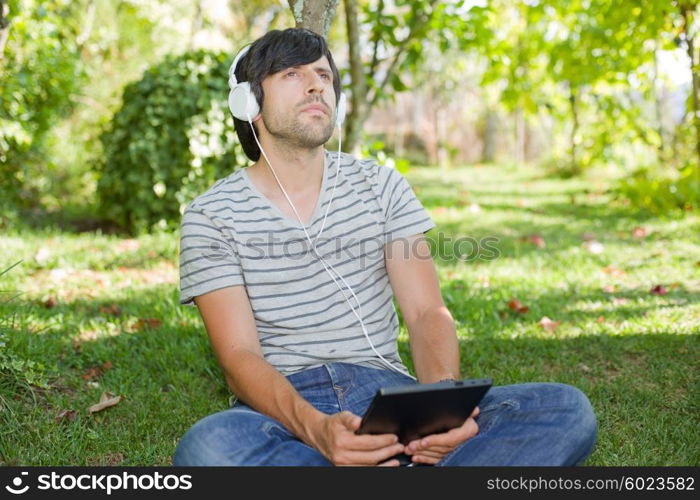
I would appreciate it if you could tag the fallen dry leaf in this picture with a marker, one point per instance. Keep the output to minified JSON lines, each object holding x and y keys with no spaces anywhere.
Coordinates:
{"x":594,"y":246}
{"x":584,"y":368}
{"x":613,"y":271}
{"x":659,"y":290}
{"x":620,"y":300}
{"x":50,"y":303}
{"x":548,"y":324}
{"x":439,"y":210}
{"x":537,"y":240}
{"x":95,"y":372}
{"x":588,"y":236}
{"x":600,"y":319}
{"x":107,"y":400}
{"x":113,"y":310}
{"x":92,"y":373}
{"x":142,"y":323}
{"x":517,"y":306}
{"x":640,"y":232}
{"x":66,"y":415}
{"x":609,"y":288}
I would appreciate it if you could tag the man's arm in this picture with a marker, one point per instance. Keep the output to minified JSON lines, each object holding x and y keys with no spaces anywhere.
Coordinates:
{"x":230,"y":324}
{"x":431,"y":329}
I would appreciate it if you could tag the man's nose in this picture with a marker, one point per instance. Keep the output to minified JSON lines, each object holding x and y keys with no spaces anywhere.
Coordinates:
{"x":315,"y":83}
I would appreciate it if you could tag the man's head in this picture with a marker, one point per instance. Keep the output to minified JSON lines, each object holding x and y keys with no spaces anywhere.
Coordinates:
{"x":288,"y":99}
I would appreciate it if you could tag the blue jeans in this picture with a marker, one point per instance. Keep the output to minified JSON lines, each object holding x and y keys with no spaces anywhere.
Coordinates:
{"x":533,"y":424}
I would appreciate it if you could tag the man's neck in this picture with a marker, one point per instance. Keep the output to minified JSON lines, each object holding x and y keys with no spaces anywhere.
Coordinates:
{"x":299,"y":170}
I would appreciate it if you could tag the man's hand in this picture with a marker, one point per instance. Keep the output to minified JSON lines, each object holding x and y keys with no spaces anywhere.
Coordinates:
{"x":431,"y":449}
{"x":337,"y":440}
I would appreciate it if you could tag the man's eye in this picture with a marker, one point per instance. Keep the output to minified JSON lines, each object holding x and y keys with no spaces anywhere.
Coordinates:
{"x":291,"y":73}
{"x":325,"y":76}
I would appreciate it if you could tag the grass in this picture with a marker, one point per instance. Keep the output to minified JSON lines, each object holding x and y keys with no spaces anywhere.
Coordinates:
{"x":99,"y":313}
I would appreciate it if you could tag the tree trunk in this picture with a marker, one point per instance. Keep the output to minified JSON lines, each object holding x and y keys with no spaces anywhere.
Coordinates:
{"x":519,"y":136}
{"x":4,"y":26}
{"x":358,"y":99}
{"x":315,"y":15}
{"x":687,"y":12}
{"x":659,"y":109}
{"x":490,"y":131}
{"x":574,"y":129}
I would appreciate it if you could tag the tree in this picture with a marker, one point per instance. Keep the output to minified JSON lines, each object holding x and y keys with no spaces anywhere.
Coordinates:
{"x":688,"y":10}
{"x":315,"y":15}
{"x":4,"y":25}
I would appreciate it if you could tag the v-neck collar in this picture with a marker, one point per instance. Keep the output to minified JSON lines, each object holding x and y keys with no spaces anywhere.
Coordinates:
{"x":293,"y":221}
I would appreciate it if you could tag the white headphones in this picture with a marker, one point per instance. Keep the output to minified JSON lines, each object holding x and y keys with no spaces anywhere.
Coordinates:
{"x":244,"y":105}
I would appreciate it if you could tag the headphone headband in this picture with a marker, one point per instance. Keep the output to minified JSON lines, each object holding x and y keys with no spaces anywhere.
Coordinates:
{"x":243,"y":103}
{"x":232,"y":80}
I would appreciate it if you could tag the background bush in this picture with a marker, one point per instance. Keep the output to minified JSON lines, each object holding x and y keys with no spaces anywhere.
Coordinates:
{"x":171,"y":139}
{"x":40,"y":71}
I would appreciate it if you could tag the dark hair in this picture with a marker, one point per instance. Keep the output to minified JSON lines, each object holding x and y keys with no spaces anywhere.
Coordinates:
{"x":275,"y":51}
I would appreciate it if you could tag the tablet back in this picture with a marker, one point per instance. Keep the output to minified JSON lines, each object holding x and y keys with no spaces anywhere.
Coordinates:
{"x":414,"y":411}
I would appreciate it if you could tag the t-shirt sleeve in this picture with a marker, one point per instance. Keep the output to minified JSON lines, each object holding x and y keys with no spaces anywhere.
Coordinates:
{"x":405,"y":215}
{"x":208,"y":259}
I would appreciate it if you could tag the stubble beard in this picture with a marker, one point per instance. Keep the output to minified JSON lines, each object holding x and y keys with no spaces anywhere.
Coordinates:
{"x":293,"y":132}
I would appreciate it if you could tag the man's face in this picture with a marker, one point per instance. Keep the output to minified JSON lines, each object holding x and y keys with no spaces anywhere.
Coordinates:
{"x":299,"y":104}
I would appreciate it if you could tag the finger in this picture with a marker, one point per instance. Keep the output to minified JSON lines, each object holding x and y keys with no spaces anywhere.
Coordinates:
{"x":476,"y":412}
{"x":352,"y":457}
{"x":368,"y":442}
{"x":390,"y":463}
{"x":430,"y":454}
{"x":432,"y":449}
{"x":416,"y":446}
{"x":453,"y":437}
{"x":420,"y":459}
{"x":349,"y":420}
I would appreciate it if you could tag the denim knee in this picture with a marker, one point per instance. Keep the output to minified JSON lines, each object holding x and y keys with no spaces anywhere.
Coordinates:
{"x":218,"y":439}
{"x":196,"y":447}
{"x":582,"y":423}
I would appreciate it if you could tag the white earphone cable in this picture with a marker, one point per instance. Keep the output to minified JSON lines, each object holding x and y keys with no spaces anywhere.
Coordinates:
{"x":313,"y":244}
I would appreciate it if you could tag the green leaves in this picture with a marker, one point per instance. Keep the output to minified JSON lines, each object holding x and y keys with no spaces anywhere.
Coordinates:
{"x":172,"y":138}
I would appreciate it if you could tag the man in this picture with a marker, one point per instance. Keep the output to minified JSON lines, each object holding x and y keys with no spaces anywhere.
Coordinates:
{"x":305,"y":349}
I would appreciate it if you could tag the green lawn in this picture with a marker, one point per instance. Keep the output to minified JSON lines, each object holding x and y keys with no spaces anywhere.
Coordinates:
{"x":99,"y":314}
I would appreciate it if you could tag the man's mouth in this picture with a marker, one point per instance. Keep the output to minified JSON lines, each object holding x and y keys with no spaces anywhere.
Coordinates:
{"x":315,"y":108}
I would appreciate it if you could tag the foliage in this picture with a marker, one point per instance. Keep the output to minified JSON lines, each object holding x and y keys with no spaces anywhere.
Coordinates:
{"x":16,"y":372}
{"x":170,"y":140}
{"x":40,"y":70}
{"x":662,"y":190}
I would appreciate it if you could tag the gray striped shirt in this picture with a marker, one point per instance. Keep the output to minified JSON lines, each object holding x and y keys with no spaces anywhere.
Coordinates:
{"x":233,"y":235}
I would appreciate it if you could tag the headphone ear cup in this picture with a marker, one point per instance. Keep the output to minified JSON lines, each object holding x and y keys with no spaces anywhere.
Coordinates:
{"x":242,"y":102}
{"x":341,"y":109}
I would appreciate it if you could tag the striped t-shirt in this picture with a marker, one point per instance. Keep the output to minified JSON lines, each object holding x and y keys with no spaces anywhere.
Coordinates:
{"x":233,"y":235}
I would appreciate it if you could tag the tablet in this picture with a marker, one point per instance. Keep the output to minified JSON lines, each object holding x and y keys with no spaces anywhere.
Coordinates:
{"x":414,"y":411}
